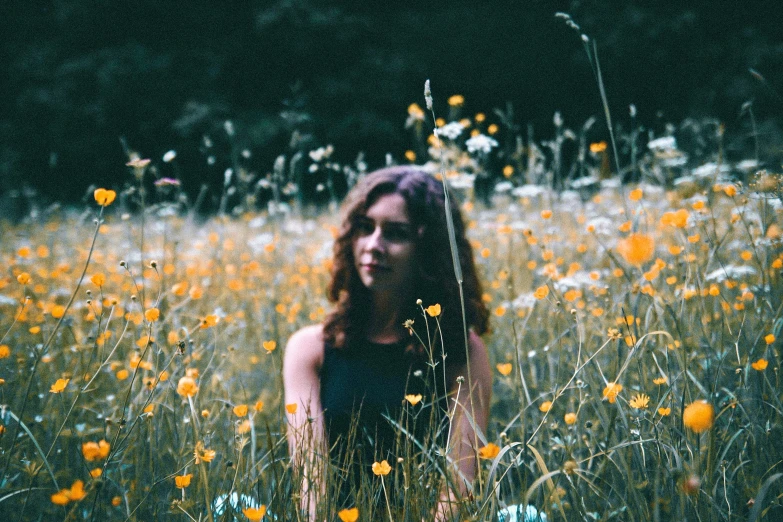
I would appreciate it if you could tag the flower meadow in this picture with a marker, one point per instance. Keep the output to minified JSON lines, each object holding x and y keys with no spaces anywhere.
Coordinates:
{"x":635,"y":341}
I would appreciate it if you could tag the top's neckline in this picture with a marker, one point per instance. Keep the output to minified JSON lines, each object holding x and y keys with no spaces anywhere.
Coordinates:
{"x":399,"y":342}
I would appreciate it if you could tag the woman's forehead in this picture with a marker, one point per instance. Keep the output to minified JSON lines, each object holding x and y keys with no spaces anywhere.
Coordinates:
{"x":389,"y":207}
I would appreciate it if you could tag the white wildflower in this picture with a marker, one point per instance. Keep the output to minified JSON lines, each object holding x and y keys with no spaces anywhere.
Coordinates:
{"x":710,"y":169}
{"x":733,"y":272}
{"x":585,"y":181}
{"x":747,"y":165}
{"x":321,"y":153}
{"x":451,"y":130}
{"x":481,"y":143}
{"x":602,"y":225}
{"x":662,"y":144}
{"x":528,"y":191}
{"x":503,"y":186}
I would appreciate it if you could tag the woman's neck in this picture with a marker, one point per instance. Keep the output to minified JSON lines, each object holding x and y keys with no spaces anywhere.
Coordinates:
{"x":385,"y":323}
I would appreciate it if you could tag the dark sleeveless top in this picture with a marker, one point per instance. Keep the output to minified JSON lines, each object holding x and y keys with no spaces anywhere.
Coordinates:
{"x":363,"y":394}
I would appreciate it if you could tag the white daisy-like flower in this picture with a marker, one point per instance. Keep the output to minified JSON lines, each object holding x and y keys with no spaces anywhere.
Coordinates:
{"x":451,"y":130}
{"x":481,"y":143}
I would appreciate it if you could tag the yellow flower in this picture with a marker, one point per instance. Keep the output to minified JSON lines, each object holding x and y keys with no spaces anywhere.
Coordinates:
{"x":730,"y":190}
{"x":637,"y":248}
{"x":187,"y":387}
{"x":75,"y":493}
{"x":152,"y":314}
{"x":636,"y":194}
{"x":698,"y":416}
{"x":660,"y":380}
{"x":415,"y":111}
{"x":600,"y":146}
{"x":209,"y":321}
{"x":258,"y":406}
{"x":640,"y":401}
{"x":541,"y":292}
{"x":545,"y":406}
{"x":456,"y":100}
{"x":93,"y":451}
{"x":104,"y":197}
{"x":58,"y":311}
{"x":433,"y":310}
{"x":291,"y":408}
{"x":243,"y":426}
{"x":23,"y":278}
{"x":201,"y":453}
{"x":254,"y":514}
{"x":381,"y":468}
{"x":349,"y":515}
{"x":611,"y":391}
{"x":269,"y":346}
{"x":490,"y":451}
{"x":663,"y":412}
{"x":570,"y":418}
{"x":61,"y":498}
{"x":504,"y":368}
{"x":59,"y":386}
{"x":769,"y":338}
{"x":183,"y":481}
{"x":760,"y":365}
{"x":678,"y":219}
{"x":142,"y":342}
{"x":240,"y":410}
{"x":123,"y":374}
{"x":546,"y":214}
{"x":96,"y":472}
{"x":5,"y":351}
{"x":413,"y":399}
{"x":98,"y":279}
{"x":77,"y":490}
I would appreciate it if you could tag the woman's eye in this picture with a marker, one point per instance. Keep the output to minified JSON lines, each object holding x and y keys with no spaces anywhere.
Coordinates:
{"x":364,"y":227}
{"x":397,"y":233}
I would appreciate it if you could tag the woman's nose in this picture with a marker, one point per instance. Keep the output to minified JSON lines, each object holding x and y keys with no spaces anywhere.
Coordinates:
{"x":375,"y":241}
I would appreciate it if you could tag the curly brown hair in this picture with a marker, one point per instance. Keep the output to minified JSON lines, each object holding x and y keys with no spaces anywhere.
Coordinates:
{"x":435,"y":281}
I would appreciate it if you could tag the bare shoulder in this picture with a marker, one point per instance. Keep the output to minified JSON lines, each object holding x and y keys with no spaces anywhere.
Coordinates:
{"x":476,"y":344}
{"x":305,"y":347}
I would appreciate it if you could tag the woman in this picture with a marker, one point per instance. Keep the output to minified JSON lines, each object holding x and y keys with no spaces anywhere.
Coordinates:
{"x":349,"y":376}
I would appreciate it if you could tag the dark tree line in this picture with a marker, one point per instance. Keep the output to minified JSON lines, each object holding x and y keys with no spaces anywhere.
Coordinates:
{"x":84,"y":81}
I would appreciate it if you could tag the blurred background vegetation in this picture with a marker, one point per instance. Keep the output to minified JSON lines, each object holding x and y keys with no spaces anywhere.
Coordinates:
{"x":86,"y":81}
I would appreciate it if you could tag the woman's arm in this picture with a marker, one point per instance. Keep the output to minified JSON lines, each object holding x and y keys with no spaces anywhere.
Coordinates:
{"x":306,"y":439}
{"x":472,"y":397}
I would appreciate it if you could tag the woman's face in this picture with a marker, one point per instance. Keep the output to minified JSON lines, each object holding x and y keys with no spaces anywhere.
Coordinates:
{"x":383,"y":245}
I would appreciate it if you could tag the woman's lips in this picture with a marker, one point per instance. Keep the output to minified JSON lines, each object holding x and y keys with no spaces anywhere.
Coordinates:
{"x":374,"y":267}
